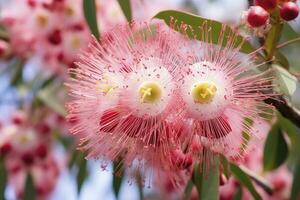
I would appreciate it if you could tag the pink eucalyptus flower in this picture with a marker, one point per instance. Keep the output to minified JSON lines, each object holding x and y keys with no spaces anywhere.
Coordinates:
{"x":124,"y":95}
{"x":223,"y":91}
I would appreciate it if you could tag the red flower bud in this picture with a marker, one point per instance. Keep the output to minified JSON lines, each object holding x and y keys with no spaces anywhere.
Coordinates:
{"x":5,"y":49}
{"x":257,"y":16}
{"x":55,"y":37}
{"x":42,"y":129}
{"x":41,"y":151}
{"x":289,"y":11}
{"x":5,"y":148}
{"x":266,"y":4}
{"x":27,"y":158}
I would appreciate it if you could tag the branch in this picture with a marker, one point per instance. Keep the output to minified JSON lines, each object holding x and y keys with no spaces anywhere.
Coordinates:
{"x":285,"y":109}
{"x":288,"y":43}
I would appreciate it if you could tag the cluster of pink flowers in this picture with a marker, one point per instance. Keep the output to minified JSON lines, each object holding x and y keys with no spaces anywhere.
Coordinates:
{"x":52,"y":29}
{"x":25,"y":146}
{"x":55,"y":30}
{"x":159,"y":100}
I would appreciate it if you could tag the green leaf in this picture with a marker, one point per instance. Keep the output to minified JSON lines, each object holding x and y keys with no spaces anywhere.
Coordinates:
{"x":29,"y":191}
{"x":244,"y":179}
{"x":239,"y":194}
{"x":281,"y":60}
{"x":89,"y":9}
{"x":17,"y":76}
{"x":207,"y":180}
{"x":175,"y":18}
{"x":287,"y":82}
{"x":288,"y":32}
{"x":275,"y":150}
{"x":82,"y":172}
{"x":225,"y":166}
{"x":294,"y":134}
{"x":188,"y":190}
{"x":118,"y":176}
{"x":49,"y":98}
{"x":126,"y":8}
{"x":3,"y":178}
{"x":295,"y":193}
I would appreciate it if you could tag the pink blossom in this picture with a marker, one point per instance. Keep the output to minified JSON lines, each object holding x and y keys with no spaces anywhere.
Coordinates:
{"x":222,"y":92}
{"x":124,"y":96}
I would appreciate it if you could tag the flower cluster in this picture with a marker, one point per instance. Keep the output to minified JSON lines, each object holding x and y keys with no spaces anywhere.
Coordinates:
{"x":158,"y":100}
{"x":25,"y":147}
{"x":258,"y":16}
{"x":53,"y":30}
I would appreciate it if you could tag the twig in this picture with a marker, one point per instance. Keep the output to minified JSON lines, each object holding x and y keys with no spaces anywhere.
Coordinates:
{"x":258,"y":180}
{"x":284,"y":44}
{"x":285,"y":109}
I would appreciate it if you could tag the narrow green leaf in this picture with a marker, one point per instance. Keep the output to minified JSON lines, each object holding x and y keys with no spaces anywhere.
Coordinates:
{"x":225,"y":166}
{"x":275,"y":150}
{"x":29,"y":190}
{"x":281,"y":60}
{"x":118,"y":177}
{"x":286,"y":81}
{"x":188,"y":190}
{"x":89,"y":9}
{"x":294,"y":134}
{"x":288,"y":33}
{"x":126,"y":8}
{"x":207,"y":180}
{"x":3,"y":178}
{"x":295,"y":193}
{"x":74,"y":158}
{"x":244,"y":179}
{"x":238,"y":195}
{"x":17,"y":76}
{"x":82,"y":172}
{"x":175,"y":18}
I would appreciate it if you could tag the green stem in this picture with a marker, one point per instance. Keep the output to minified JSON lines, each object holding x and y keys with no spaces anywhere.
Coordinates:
{"x":273,"y":36}
{"x":272,"y":39}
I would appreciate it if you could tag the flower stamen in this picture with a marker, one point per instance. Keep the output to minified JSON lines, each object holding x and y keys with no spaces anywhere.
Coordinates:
{"x":204,"y":92}
{"x":149,"y":92}
{"x":41,"y":21}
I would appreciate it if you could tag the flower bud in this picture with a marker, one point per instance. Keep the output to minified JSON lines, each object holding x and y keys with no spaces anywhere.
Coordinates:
{"x":5,"y":49}
{"x":5,"y":148}
{"x":266,"y":4}
{"x":55,"y":37}
{"x":27,"y":158}
{"x":257,"y":16}
{"x":289,"y":11}
{"x":41,"y":151}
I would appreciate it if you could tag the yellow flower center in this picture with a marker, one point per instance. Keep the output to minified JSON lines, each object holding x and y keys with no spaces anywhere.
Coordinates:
{"x":75,"y":42}
{"x":41,"y":20}
{"x":150,"y":92}
{"x":103,"y":87}
{"x":204,"y":92}
{"x":24,"y":139}
{"x":69,"y":11}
